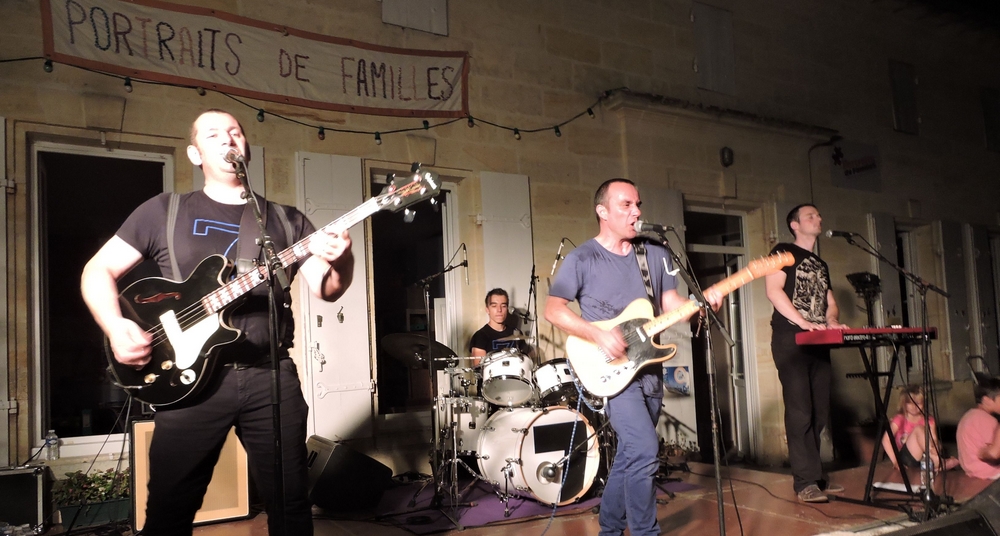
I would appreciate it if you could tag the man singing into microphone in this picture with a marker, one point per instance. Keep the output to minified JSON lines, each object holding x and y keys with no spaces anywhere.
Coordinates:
{"x":189,"y":434}
{"x":803,"y":301}
{"x":604,"y":276}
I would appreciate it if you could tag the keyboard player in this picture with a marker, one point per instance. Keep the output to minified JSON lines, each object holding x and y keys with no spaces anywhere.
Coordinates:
{"x":803,"y":301}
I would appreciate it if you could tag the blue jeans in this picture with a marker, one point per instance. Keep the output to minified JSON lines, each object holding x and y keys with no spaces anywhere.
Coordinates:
{"x":187,"y":441}
{"x":630,"y":495}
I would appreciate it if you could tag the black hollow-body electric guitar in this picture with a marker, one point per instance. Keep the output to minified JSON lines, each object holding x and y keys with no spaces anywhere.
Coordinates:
{"x":189,"y":319}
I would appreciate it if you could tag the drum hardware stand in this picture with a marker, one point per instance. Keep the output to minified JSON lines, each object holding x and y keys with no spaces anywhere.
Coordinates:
{"x":932,"y":503}
{"x":710,"y":319}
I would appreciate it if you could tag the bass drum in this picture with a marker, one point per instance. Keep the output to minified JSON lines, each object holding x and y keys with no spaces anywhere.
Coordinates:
{"x":519,"y":449}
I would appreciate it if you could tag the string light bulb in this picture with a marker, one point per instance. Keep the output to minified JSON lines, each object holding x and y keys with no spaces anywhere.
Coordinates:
{"x":47,"y":66}
{"x":517,"y":134}
{"x":128,"y":85}
{"x":590,"y":112}
{"x":200,"y":90}
{"x":427,"y":124}
{"x":260,"y":115}
{"x":378,"y":139}
{"x":471,"y":122}
{"x":557,"y":131}
{"x":321,"y":134}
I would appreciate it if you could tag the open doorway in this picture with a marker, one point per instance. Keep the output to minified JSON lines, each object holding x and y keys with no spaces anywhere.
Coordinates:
{"x":716,"y":248}
{"x":407,"y":251}
{"x":75,"y":215}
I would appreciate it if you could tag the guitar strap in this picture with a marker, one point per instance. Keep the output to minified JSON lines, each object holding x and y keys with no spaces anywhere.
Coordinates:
{"x":171,"y":224}
{"x":640,"y":256}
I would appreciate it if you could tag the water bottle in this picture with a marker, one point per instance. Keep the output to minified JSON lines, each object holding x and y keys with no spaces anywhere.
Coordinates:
{"x":51,"y":445}
{"x":925,"y":473}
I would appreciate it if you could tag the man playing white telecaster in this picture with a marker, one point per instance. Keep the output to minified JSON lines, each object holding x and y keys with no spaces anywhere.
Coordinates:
{"x":603,"y":276}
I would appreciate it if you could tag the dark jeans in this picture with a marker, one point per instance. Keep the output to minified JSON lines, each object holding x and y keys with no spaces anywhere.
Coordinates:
{"x":630,"y":494}
{"x":804,"y":372}
{"x":187,"y":441}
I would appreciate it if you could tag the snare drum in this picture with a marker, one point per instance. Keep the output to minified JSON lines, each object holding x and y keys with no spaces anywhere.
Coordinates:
{"x":519,"y":450}
{"x":507,"y":378}
{"x":465,"y":415}
{"x":555,"y":383}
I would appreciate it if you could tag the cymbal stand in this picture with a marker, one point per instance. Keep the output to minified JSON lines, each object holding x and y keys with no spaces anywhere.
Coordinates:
{"x":425,"y":284}
{"x":931,"y":501}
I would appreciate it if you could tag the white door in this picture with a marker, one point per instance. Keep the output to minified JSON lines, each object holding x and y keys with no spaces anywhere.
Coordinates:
{"x":336,"y":344}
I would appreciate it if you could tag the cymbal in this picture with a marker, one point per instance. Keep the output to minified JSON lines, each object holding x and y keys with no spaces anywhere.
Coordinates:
{"x":412,"y":349}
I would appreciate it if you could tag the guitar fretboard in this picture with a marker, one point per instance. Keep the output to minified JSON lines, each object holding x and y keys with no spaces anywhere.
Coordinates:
{"x":243,"y":283}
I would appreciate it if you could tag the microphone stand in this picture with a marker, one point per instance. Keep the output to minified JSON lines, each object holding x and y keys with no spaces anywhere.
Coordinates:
{"x":436,"y":477}
{"x":275,"y":274}
{"x":931,"y":501}
{"x":710,"y":320}
{"x":533,"y":320}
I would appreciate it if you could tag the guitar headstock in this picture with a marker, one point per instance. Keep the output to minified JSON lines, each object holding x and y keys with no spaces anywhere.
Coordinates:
{"x":409,"y":189}
{"x":770,"y":264}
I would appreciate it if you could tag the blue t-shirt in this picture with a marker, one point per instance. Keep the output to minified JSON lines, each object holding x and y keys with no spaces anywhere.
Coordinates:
{"x":604,"y":283}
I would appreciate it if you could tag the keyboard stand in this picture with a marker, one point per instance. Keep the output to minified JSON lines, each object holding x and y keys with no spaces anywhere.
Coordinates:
{"x":872,"y":374}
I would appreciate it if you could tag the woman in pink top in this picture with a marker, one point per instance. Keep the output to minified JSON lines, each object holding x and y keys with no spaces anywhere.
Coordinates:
{"x":907,"y":428}
{"x":978,"y":434}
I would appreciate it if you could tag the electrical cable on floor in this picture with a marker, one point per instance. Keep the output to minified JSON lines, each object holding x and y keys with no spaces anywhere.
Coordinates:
{"x":797,"y":503}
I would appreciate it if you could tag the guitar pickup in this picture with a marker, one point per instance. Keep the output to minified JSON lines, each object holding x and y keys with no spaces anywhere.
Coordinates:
{"x":642,"y":334}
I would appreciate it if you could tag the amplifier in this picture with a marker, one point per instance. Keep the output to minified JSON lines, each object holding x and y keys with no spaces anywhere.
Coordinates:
{"x":228,"y":494}
{"x":26,"y":495}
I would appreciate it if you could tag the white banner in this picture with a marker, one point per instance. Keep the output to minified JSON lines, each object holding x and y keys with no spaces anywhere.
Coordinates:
{"x":193,"y":46}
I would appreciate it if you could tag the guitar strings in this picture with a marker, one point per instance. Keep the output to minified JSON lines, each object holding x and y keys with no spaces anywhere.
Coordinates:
{"x":198,"y":311}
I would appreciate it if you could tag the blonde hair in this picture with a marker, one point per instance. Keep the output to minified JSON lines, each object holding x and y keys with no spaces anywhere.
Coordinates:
{"x":909,"y":392}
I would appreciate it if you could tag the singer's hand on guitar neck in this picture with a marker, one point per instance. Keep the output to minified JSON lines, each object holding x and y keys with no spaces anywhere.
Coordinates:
{"x":330,"y":246}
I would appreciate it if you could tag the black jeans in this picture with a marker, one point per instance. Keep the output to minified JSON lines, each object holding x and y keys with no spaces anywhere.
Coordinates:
{"x":187,"y":441}
{"x":804,"y":372}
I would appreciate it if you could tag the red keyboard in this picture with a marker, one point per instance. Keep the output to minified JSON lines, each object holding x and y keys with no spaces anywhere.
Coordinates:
{"x":864,"y":336}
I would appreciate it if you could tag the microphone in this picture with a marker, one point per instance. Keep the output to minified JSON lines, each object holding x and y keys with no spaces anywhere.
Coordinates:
{"x":842,"y":234}
{"x":465,"y":251}
{"x":558,"y":256}
{"x":643,"y":226}
{"x":233,"y":157}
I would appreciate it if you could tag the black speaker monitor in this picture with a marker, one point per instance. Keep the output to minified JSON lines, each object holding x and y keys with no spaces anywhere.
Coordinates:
{"x":344,"y":479}
{"x":979,"y":516}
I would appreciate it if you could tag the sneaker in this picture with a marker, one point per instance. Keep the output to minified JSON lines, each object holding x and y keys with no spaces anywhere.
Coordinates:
{"x":812,"y":494}
{"x":833,"y":488}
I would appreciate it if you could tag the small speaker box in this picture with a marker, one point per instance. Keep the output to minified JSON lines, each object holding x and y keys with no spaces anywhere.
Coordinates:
{"x":344,"y":479}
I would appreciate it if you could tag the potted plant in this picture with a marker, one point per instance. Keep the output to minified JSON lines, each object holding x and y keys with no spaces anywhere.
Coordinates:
{"x":89,"y":499}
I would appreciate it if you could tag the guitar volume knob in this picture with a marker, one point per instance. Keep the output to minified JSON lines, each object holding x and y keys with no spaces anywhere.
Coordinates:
{"x":188,"y":377}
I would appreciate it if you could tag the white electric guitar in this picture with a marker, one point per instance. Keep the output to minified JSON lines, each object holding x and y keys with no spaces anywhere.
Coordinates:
{"x":603,"y":375}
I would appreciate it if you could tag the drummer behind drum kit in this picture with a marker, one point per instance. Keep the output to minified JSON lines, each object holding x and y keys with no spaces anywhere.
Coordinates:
{"x":526,"y":427}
